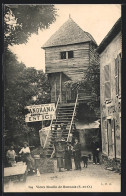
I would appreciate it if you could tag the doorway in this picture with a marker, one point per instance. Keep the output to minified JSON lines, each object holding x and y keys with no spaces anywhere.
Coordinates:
{"x":111,"y":137}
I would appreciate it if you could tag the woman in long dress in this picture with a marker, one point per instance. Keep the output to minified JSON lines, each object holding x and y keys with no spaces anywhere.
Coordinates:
{"x":68,"y":157}
{"x":26,"y":155}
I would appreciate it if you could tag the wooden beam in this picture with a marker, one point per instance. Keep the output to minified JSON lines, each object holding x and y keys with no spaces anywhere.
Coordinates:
{"x":55,"y":92}
{"x":61,"y":87}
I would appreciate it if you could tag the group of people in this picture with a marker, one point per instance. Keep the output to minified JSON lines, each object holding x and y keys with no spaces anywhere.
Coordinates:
{"x":64,"y":154}
{"x":25,"y":157}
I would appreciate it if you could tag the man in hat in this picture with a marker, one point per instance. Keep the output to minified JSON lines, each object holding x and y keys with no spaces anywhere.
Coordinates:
{"x":77,"y":154}
{"x":59,"y":150}
{"x":95,"y":152}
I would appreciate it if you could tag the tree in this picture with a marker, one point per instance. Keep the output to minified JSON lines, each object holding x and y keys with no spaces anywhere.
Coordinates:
{"x":90,"y":84}
{"x":21,"y":84}
{"x":20,"y":87}
{"x":20,"y":21}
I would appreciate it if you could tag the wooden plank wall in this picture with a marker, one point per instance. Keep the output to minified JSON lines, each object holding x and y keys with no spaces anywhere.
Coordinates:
{"x":93,"y":55}
{"x":54,"y":79}
{"x":55,"y":87}
{"x":74,"y":67}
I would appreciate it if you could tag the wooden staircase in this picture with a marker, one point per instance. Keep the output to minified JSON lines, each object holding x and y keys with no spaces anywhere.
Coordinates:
{"x":63,"y":124}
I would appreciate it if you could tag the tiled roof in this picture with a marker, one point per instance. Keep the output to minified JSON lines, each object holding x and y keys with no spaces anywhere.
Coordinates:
{"x":68,"y":33}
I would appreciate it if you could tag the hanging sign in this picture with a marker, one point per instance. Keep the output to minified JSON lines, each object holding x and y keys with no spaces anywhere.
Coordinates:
{"x":40,"y":112}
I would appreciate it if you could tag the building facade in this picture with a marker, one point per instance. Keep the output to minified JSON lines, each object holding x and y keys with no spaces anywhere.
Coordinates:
{"x":110,"y":93}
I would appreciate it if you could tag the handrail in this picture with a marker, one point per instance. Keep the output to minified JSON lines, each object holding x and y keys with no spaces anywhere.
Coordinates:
{"x":72,"y":117}
{"x":51,"y":121}
{"x":55,"y":110}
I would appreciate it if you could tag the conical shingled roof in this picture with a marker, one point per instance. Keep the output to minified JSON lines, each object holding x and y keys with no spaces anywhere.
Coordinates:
{"x":68,"y":33}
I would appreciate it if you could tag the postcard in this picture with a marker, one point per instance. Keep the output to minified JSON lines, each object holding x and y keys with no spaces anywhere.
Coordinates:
{"x":62,"y":98}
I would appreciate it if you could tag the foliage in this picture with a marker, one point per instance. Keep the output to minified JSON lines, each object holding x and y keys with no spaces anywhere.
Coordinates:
{"x":90,"y":85}
{"x":21,"y":86}
{"x":20,"y":21}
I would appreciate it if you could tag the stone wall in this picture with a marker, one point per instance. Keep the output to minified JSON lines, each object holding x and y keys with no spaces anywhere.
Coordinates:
{"x":45,"y":165}
{"x":111,"y":164}
{"x":110,"y":99}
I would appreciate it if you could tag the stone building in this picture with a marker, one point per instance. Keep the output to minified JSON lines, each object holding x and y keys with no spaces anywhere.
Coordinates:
{"x":110,"y":94}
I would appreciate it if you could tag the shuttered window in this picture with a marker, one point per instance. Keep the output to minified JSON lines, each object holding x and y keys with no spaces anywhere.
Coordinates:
{"x":120,"y":64}
{"x":118,"y":75}
{"x":107,"y":84}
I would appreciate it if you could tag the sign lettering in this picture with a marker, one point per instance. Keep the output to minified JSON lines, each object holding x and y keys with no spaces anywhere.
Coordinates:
{"x":40,"y":112}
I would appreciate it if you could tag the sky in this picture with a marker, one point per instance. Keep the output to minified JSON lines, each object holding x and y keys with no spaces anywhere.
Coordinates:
{"x":96,"y":19}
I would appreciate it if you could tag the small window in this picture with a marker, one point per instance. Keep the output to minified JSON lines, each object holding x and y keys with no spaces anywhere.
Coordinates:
{"x":70,"y":54}
{"x":63,"y":55}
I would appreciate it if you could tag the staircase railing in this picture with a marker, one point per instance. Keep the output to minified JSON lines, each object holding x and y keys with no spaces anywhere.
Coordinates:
{"x":72,"y":117}
{"x":51,"y":122}
{"x":55,"y":110}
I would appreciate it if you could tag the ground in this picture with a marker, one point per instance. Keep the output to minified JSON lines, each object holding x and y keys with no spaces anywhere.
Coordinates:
{"x":92,"y":179}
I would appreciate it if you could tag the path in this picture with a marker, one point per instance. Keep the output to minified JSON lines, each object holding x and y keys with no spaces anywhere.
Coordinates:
{"x":92,"y":179}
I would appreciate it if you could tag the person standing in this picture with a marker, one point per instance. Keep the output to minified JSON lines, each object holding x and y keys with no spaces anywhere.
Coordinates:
{"x":77,"y":154}
{"x":68,"y":157}
{"x":11,"y":154}
{"x":95,"y":152}
{"x":59,"y":151}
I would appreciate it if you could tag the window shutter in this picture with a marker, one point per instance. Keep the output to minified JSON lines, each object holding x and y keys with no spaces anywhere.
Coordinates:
{"x":119,"y":75}
{"x":107,"y":90}
{"x":116,"y":76}
{"x":107,"y":84}
{"x":106,"y":72}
